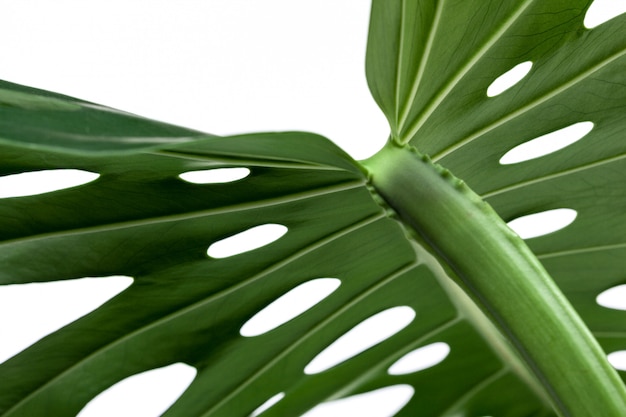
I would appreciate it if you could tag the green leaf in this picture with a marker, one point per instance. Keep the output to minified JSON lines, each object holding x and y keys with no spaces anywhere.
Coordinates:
{"x":140,"y":219}
{"x":431,"y":81}
{"x":577,"y":76}
{"x":53,"y":121}
{"x":503,"y":277}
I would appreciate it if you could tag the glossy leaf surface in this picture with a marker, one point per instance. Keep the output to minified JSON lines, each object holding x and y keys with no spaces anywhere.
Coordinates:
{"x":50,"y":120}
{"x":139,"y":219}
{"x":431,"y":82}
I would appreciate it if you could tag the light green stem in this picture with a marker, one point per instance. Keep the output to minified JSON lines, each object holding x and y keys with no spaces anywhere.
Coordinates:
{"x":504,"y":278}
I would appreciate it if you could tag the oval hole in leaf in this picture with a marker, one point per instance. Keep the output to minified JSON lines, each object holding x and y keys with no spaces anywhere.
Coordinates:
{"x":289,"y":305}
{"x":361,"y":337}
{"x":215,"y":176}
{"x":547,"y":144}
{"x":601,"y":11}
{"x":613,"y":298}
{"x":618,"y":360}
{"x":267,"y":404}
{"x":509,"y":79}
{"x":383,"y":402}
{"x":539,"y":224}
{"x":45,"y":307}
{"x":39,"y":182}
{"x":247,"y":240}
{"x":147,"y":394}
{"x":420,"y":359}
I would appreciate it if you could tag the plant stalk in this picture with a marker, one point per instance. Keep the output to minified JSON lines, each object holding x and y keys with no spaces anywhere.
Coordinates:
{"x":505,"y":279}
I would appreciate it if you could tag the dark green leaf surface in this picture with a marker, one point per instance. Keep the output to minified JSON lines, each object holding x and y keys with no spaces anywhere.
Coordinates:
{"x":48,"y":120}
{"x":429,"y":65}
{"x":139,"y":219}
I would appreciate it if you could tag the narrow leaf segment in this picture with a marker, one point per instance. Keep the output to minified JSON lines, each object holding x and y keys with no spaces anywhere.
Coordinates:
{"x":504,"y":277}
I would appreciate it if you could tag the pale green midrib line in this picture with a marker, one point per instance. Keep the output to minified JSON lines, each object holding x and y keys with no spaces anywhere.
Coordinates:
{"x":335,"y":315}
{"x":401,"y":43}
{"x":479,"y":322}
{"x":260,"y":204}
{"x":210,"y":299}
{"x":470,"y":311}
{"x":405,"y":110}
{"x":217,"y":157}
{"x":581,"y":250}
{"x":552,"y":176}
{"x":488,"y":380}
{"x":456,"y":78}
{"x":530,"y":106}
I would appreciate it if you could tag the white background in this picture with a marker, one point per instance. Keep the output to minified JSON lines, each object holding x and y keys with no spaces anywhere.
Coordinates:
{"x":220,"y":66}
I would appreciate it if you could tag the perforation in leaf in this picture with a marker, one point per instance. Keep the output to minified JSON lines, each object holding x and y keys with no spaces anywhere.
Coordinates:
{"x":547,"y":144}
{"x":45,"y":307}
{"x":421,"y":358}
{"x":253,"y":238}
{"x":602,"y":11}
{"x":614,"y":298}
{"x":543,"y":223}
{"x":289,"y":305}
{"x":383,"y":402}
{"x":441,"y":63}
{"x":147,"y":394}
{"x":361,"y":337}
{"x":618,"y":360}
{"x":268,"y":404}
{"x":215,"y":176}
{"x":509,"y":79}
{"x":40,"y":182}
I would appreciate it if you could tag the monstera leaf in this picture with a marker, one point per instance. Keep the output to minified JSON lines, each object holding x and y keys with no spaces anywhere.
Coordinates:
{"x":394,"y":233}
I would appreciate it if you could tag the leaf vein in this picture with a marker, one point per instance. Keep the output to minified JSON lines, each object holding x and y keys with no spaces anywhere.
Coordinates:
{"x":456,"y":78}
{"x":530,"y":106}
{"x":579,"y":251}
{"x":552,"y":176}
{"x":208,"y":300}
{"x":404,"y":112}
{"x":318,"y":192}
{"x":387,"y":279}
